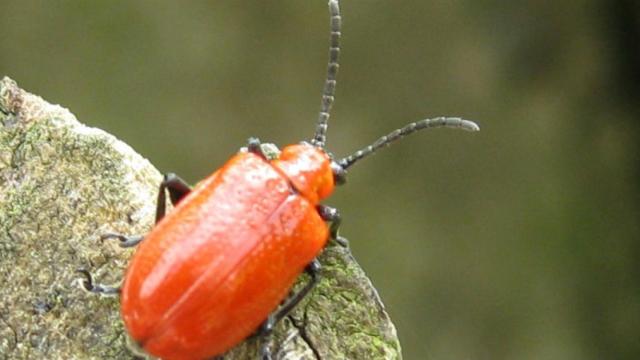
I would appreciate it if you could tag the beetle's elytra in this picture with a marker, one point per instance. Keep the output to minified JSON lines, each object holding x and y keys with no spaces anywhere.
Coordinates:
{"x":217,"y":268}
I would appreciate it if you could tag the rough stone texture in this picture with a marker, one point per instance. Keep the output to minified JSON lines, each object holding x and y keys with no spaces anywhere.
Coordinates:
{"x":62,"y":184}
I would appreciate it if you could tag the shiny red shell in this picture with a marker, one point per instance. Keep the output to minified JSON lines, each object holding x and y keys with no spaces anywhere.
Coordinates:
{"x":216,"y":266}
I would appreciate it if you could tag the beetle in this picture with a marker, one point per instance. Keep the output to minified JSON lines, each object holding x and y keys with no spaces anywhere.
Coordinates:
{"x":219,"y":267}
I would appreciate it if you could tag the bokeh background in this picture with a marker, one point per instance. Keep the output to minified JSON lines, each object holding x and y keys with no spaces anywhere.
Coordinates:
{"x":518,"y":242}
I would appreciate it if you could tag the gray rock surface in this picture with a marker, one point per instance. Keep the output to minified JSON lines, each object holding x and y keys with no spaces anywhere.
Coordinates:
{"x":62,"y":184}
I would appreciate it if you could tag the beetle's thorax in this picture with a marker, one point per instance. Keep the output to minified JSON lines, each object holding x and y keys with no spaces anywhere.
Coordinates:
{"x":309,"y":170}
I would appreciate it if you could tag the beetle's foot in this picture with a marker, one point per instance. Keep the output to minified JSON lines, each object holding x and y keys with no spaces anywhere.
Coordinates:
{"x":265,"y":331}
{"x":342,"y":241}
{"x":254,"y":146}
{"x":332,"y":215}
{"x":177,"y":188}
{"x":265,"y":349}
{"x":125,"y":241}
{"x":88,"y":285}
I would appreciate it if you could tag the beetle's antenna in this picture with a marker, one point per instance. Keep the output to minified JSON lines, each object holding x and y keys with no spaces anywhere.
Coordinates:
{"x":329,"y":90}
{"x":398,"y":134}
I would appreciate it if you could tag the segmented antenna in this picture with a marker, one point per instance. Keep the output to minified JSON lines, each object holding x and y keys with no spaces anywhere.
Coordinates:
{"x":329,"y":90}
{"x":398,"y":134}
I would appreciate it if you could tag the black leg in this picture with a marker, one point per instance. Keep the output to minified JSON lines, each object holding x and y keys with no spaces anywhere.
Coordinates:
{"x":97,"y":288}
{"x":125,"y":241}
{"x":177,"y":188}
{"x":253,"y":146}
{"x":332,"y":215}
{"x":267,"y":327}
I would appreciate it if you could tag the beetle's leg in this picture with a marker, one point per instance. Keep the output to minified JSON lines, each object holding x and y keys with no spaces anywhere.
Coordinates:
{"x":253,"y":146}
{"x":88,"y":284}
{"x":267,"y":327}
{"x":125,"y":240}
{"x":332,"y":215}
{"x":313,"y":270}
{"x":177,"y":188}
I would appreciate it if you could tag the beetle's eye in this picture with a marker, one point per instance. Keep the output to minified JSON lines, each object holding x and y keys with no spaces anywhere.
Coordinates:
{"x":339,"y":174}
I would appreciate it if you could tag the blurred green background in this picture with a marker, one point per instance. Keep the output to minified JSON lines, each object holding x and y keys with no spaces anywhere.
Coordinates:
{"x":518,"y":242}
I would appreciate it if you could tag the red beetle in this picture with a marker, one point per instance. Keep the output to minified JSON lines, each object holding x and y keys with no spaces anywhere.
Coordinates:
{"x":217,"y":268}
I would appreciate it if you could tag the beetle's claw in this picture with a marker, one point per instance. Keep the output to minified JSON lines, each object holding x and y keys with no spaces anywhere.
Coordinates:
{"x":108,"y":236}
{"x":342,"y":241}
{"x":265,"y":352}
{"x":125,"y":241}
{"x":87,"y":282}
